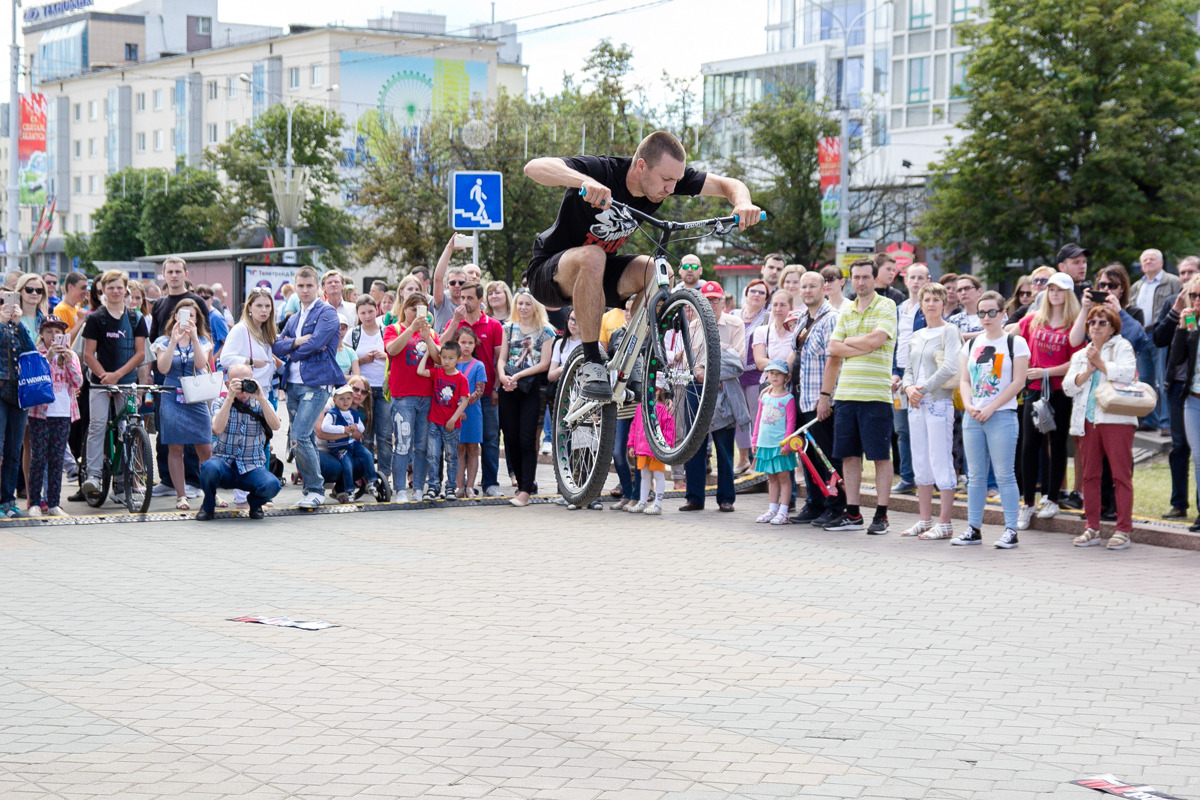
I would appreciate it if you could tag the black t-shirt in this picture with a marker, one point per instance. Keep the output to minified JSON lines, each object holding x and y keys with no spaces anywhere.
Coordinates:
{"x":114,"y":343}
{"x":164,"y":307}
{"x":579,"y":224}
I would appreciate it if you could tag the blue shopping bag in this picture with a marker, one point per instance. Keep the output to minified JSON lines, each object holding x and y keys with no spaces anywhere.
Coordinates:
{"x":35,"y":387}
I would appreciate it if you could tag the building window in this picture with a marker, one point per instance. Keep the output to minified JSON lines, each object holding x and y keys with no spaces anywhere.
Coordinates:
{"x":91,"y":184}
{"x":78,"y":111}
{"x":213,"y":90}
{"x":141,"y":142}
{"x":230,"y":127}
{"x":140,"y":101}
{"x":231,"y":88}
{"x":918,"y":80}
{"x":78,"y":223}
{"x":212,"y":133}
{"x":293,"y":77}
{"x":963,"y":10}
{"x":920,"y":13}
{"x":131,"y":51}
{"x":158,"y":140}
{"x":91,"y":147}
{"x":958,"y":75}
{"x":79,"y":148}
{"x":158,"y":99}
{"x":315,"y":74}
{"x":78,"y":186}
{"x":92,"y":109}
{"x":204,"y":26}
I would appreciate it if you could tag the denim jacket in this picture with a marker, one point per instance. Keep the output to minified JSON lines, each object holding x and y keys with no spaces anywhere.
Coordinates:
{"x":318,"y":356}
{"x":14,"y":340}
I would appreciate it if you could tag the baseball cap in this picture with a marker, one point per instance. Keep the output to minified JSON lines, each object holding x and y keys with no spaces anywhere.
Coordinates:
{"x":712,"y":289}
{"x":1062,"y":280}
{"x":1072,"y":250}
{"x":345,"y":388}
{"x":777,"y":365}
{"x":52,"y":321}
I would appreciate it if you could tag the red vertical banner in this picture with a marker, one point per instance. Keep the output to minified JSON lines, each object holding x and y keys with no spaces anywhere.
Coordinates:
{"x":829,"y":165}
{"x":31,"y":150}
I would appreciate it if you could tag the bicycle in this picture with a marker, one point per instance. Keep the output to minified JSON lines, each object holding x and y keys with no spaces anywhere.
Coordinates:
{"x":674,"y":332}
{"x":127,"y":449}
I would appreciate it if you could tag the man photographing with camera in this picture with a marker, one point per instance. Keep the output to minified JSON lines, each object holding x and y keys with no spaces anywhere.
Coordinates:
{"x":243,"y":423}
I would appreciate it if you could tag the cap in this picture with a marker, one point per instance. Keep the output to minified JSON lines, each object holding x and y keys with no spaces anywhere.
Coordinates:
{"x":52,"y":321}
{"x":345,"y":388}
{"x":1071,"y":250}
{"x":777,"y":365}
{"x":1062,"y":280}
{"x":712,"y":289}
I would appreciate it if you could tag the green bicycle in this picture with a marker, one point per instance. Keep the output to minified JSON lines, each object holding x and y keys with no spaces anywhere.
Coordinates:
{"x":128,"y":453}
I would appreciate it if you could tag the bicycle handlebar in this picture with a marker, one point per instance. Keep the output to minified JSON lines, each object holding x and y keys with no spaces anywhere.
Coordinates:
{"x":120,"y":388}
{"x":716,"y":223}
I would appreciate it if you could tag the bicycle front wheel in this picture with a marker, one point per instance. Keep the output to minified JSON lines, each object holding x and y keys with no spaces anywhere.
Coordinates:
{"x":583,"y":443}
{"x":683,"y":374}
{"x":138,"y":470}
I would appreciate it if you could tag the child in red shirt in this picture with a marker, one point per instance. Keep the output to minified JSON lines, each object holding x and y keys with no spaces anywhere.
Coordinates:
{"x":446,"y":408}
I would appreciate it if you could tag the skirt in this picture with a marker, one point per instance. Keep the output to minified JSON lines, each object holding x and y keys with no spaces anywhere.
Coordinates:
{"x":771,"y":461}
{"x":651,"y":463}
{"x":183,"y":423}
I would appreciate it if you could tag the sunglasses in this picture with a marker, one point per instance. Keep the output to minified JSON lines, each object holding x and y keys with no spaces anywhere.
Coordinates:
{"x":1040,"y":281}
{"x":1099,"y":321}
{"x":1025,"y":294}
{"x":995,"y":312}
{"x":1193,"y":295}
{"x":358,"y":391}
{"x":690,"y":266}
{"x":31,"y":290}
{"x":831,"y":280}
{"x":1107,"y":285}
{"x":456,"y":283}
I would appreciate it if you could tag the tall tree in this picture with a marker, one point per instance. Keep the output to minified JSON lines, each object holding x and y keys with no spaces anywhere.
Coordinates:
{"x":1082,"y":127}
{"x":316,"y":144}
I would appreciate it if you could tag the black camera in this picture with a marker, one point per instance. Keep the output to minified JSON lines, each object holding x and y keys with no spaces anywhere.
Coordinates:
{"x":249,"y":385}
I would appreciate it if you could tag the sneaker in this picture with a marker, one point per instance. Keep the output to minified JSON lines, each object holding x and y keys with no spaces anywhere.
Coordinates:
{"x":846,"y":523}
{"x":805,"y":516}
{"x":191,"y":491}
{"x":904,"y":487}
{"x":343,"y":498}
{"x":1089,"y":537}
{"x":493,"y":491}
{"x":781,"y":518}
{"x":594,"y":378}
{"x":878,"y":527}
{"x":562,"y":501}
{"x":1049,"y":509}
{"x":92,"y":486}
{"x":596,"y":505}
{"x":1025,"y":517}
{"x":35,"y":511}
{"x":969,"y":536}
{"x":767,"y":515}
{"x":159,"y":490}
{"x":824,"y":520}
{"x":56,"y":511}
{"x":12,"y":512}
{"x":402,"y":496}
{"x":1071,"y":500}
{"x":545,"y":448}
{"x":1008,"y":540}
{"x":636,"y":509}
{"x":311,"y":500}
{"x":653,"y":510}
{"x":431,"y":494}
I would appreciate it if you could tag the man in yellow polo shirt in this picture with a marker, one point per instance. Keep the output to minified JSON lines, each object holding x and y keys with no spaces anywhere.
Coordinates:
{"x":861,"y":344}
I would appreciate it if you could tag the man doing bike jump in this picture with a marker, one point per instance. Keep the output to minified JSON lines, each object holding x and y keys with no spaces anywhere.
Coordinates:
{"x":575,"y":260}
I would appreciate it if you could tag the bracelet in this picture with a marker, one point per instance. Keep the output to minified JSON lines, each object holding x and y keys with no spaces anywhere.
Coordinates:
{"x":826,"y":394}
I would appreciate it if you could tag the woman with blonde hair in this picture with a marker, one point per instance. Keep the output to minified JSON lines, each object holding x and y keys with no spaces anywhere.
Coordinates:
{"x":249,"y":341}
{"x":789,"y":279}
{"x":33,"y":301}
{"x":499,"y":300}
{"x":409,"y":285}
{"x":529,"y":339}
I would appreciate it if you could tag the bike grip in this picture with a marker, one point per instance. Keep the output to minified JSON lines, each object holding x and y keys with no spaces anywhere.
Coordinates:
{"x":761,"y":216}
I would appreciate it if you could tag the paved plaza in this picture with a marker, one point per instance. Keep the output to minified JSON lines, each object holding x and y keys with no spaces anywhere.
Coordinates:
{"x":542,"y":653}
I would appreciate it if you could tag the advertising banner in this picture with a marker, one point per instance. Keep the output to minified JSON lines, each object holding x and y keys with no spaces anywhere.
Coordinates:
{"x":829,"y":164}
{"x":31,"y":150}
{"x":272,"y":277}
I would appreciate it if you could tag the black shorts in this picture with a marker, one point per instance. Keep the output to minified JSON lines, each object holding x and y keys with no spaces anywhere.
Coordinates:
{"x":542,"y":269}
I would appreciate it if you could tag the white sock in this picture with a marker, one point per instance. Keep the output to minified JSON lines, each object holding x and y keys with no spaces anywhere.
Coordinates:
{"x":773,"y":508}
{"x":660,"y":487}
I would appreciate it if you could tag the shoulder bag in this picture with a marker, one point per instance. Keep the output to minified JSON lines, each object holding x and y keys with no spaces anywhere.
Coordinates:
{"x":939,"y":358}
{"x":1128,"y":399}
{"x":35,"y":386}
{"x":200,"y":387}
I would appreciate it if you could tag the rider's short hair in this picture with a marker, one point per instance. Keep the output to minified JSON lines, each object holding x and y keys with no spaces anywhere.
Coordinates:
{"x":659,"y":144}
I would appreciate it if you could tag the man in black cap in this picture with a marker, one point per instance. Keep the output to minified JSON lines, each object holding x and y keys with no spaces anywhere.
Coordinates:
{"x":1072,"y":259}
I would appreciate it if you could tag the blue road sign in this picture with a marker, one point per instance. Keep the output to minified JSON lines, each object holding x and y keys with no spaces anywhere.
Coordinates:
{"x":476,"y":201}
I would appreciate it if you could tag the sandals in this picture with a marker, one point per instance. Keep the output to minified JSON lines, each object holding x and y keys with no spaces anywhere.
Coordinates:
{"x":181,"y":504}
{"x":1089,"y":537}
{"x":222,"y":502}
{"x":919,"y":528}
{"x":939,"y":531}
{"x":1119,"y":541}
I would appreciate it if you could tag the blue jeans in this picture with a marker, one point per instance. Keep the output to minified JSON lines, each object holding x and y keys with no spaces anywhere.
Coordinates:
{"x":12,"y":428}
{"x":694,"y":469}
{"x":1152,"y":367}
{"x":258,"y":484}
{"x":1191,"y":425}
{"x":305,"y":405}
{"x":410,"y":425}
{"x":994,"y":441}
{"x":379,"y":440}
{"x":903,"y":444}
{"x":1181,"y":452}
{"x":355,"y":461}
{"x":491,"y":442}
{"x":621,"y":459}
{"x":442,"y":441}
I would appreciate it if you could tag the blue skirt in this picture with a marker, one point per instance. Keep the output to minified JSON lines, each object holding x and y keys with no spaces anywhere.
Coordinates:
{"x":183,"y":423}
{"x":771,"y":461}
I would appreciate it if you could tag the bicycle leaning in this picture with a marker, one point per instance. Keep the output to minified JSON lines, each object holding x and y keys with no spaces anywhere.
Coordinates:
{"x":674,"y":332}
{"x":128,"y":454}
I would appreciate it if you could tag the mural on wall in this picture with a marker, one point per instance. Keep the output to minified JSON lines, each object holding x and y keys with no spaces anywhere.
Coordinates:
{"x":407,"y":91}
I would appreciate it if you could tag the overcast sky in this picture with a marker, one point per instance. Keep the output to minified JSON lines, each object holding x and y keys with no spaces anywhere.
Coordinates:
{"x":675,"y":35}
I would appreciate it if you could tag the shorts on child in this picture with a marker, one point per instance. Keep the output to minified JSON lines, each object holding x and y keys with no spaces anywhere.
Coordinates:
{"x":651,"y":463}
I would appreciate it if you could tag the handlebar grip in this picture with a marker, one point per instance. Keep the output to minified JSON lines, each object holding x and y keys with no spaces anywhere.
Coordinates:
{"x":761,"y":216}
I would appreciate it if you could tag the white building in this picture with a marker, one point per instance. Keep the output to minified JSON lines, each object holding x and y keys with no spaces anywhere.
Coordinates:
{"x":161,"y":80}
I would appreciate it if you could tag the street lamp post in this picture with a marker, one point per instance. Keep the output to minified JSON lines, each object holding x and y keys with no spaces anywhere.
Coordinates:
{"x":288,"y":233}
{"x":13,"y":246}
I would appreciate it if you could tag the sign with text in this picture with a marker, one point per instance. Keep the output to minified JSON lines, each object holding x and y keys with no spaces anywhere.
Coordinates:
{"x":851,"y":250}
{"x":829,"y":165}
{"x":51,"y":10}
{"x":31,"y":150}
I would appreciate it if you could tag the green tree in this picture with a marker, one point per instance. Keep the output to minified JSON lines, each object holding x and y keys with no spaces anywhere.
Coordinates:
{"x":78,"y":245}
{"x":316,"y":144}
{"x":1082,"y":127}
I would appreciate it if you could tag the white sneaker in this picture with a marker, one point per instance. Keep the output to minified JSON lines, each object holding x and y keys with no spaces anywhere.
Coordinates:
{"x":311,"y":500}
{"x":654,"y":510}
{"x":494,"y":491}
{"x":1049,"y":509}
{"x":545,"y":448}
{"x":1025,"y":517}
{"x":161,"y":490}
{"x":34,"y":511}
{"x":401,"y":496}
{"x":191,"y":491}
{"x":57,"y":511}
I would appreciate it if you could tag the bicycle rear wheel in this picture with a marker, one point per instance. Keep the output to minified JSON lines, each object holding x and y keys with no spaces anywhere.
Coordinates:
{"x":686,"y":335}
{"x":138,"y":469}
{"x":582,"y":448}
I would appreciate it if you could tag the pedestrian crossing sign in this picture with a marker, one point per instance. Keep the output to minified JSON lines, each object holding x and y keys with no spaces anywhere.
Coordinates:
{"x":476,"y":201}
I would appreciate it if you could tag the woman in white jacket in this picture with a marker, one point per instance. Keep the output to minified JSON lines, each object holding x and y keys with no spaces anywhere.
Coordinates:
{"x":1109,"y":357}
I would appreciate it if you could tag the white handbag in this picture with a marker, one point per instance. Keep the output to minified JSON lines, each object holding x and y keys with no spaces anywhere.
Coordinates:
{"x":201,"y":387}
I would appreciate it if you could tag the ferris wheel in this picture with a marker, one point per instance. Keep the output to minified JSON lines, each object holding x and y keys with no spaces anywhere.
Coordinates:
{"x":406,"y":97}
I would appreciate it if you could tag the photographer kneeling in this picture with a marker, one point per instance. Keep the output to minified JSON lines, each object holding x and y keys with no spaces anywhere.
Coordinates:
{"x":243,"y":423}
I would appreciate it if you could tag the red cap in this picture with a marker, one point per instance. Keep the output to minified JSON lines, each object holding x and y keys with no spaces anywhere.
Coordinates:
{"x":712,"y":289}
